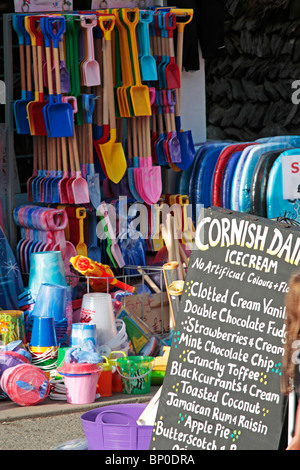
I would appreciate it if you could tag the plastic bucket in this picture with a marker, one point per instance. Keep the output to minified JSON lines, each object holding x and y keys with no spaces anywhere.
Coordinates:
{"x":45,"y":358}
{"x":17,"y":347}
{"x":104,"y":384}
{"x":43,"y":332}
{"x":51,"y":301}
{"x":136,"y":374}
{"x":81,"y":389}
{"x":80,"y":382}
{"x":82,"y":332}
{"x":46,"y":267}
{"x":25,"y":384}
{"x":120,"y":337}
{"x":117,"y":383}
{"x":12,"y":326}
{"x":11,"y":359}
{"x":97,"y":308}
{"x":114,"y":428}
{"x":61,"y":357}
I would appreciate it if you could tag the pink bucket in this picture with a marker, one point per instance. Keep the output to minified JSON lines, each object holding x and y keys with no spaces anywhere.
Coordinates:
{"x":25,"y":384}
{"x":80,"y":382}
{"x":81,"y":389}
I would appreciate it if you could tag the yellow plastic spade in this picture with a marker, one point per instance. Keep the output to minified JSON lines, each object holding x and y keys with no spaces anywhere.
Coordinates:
{"x":112,"y":152}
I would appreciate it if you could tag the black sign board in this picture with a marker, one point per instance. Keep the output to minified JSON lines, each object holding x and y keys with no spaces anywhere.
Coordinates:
{"x":222,"y":384}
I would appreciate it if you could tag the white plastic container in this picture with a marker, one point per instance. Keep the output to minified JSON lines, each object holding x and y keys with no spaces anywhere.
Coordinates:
{"x":98,"y":308}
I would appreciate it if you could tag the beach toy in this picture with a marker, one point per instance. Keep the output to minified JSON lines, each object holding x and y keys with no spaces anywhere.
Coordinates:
{"x":117,"y":384}
{"x":98,"y":308}
{"x":46,"y":268}
{"x":45,"y":358}
{"x":43,"y":332}
{"x":80,"y":381}
{"x":91,"y":269}
{"x":11,"y":326}
{"x":17,"y":347}
{"x":104,"y":384}
{"x":115,"y":427}
{"x":160,"y":366}
{"x":58,"y":389}
{"x":11,"y":359}
{"x":120,"y":341}
{"x":61,"y":357}
{"x":136,"y":374}
{"x":25,"y":384}
{"x":51,"y":301}
{"x":60,"y":329}
{"x":82,"y":332}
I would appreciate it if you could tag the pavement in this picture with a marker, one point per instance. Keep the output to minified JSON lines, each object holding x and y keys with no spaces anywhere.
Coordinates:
{"x":50,"y":424}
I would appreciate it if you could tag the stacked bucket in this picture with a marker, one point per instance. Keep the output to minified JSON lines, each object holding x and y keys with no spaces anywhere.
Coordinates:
{"x":43,"y":345}
{"x":48,"y":323}
{"x":20,"y":380}
{"x":55,"y":298}
{"x":98,"y":325}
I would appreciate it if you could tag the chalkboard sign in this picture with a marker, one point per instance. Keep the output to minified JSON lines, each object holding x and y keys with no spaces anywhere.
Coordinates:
{"x":222,"y":384}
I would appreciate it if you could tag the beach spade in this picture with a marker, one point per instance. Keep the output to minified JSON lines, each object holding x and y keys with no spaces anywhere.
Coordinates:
{"x":88,"y":102}
{"x":101,"y":129}
{"x":185,"y":137}
{"x":59,"y":114}
{"x":139,"y":93}
{"x":147,"y":177}
{"x":62,"y":184}
{"x":123,"y":55}
{"x":171,"y":143}
{"x":20,"y":106}
{"x":90,"y":66}
{"x":173,"y":75}
{"x":15,"y":24}
{"x":79,"y":185}
{"x":35,"y":108}
{"x":133,"y":162}
{"x":112,"y":151}
{"x":147,"y":61}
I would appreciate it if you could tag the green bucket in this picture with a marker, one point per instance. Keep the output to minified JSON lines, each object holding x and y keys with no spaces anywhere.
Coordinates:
{"x":136,"y":374}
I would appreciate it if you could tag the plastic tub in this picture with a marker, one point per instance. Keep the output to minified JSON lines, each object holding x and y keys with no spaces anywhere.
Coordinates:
{"x":114,"y":428}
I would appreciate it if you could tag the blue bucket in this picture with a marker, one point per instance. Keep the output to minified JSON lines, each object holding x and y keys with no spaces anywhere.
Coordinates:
{"x":43,"y":332}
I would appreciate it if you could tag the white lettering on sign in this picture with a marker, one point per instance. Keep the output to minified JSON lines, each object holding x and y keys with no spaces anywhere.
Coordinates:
{"x":291,"y":176}
{"x":225,"y":233}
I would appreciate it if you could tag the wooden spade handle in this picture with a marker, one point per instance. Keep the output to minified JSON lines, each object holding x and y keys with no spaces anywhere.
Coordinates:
{"x":111,"y":99}
{"x":75,"y":150}
{"x":64,"y":153}
{"x":90,"y":143}
{"x":57,"y":72}
{"x":179,"y":55}
{"x":22,"y":67}
{"x":35,"y":70}
{"x":49,"y":73}
{"x":134,"y":137}
{"x":58,"y":153}
{"x":71,"y":154}
{"x":40,"y":70}
{"x":28,"y":67}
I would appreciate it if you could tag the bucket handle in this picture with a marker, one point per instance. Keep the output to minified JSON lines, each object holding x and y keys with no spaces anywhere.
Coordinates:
{"x":115,"y":352}
{"x":137,"y":376}
{"x":100,"y":416}
{"x":113,"y":367}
